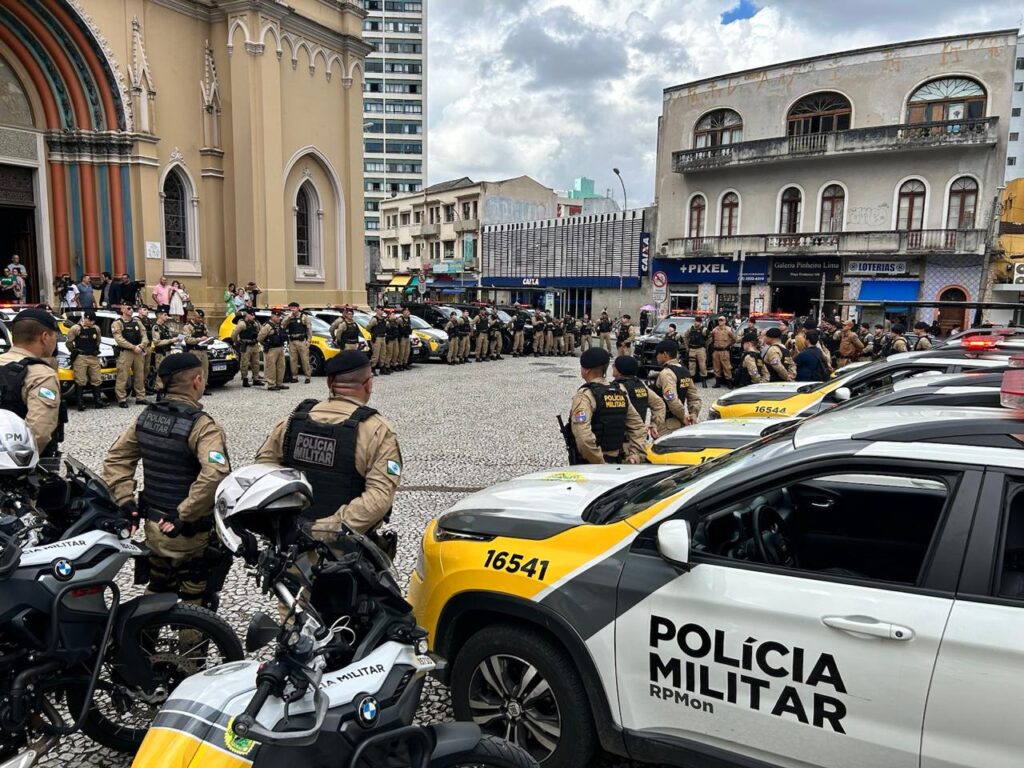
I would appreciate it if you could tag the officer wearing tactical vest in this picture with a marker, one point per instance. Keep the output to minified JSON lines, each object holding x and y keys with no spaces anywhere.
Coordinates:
{"x":751,"y":369}
{"x":378,"y":329}
{"x":245,"y":337}
{"x":83,"y":342}
{"x":518,"y":332}
{"x":539,"y":338}
{"x":644,"y":399}
{"x":605,"y":426}
{"x":164,"y":338}
{"x":777,"y":358}
{"x":348,"y":451}
{"x":132,"y":347}
{"x":480,"y":328}
{"x":391,"y":336}
{"x":604,"y":332}
{"x":147,"y":323}
{"x":272,"y":336}
{"x":586,"y":333}
{"x":697,"y":350}
{"x":299,"y":328}
{"x":676,"y":387}
{"x":405,"y":340}
{"x":184,"y":458}
{"x":196,"y":338}
{"x":494,"y":334}
{"x":626,"y":336}
{"x":722,"y":338}
{"x":28,"y":384}
{"x":452,"y":329}
{"x":345,"y":331}
{"x":465,"y":333}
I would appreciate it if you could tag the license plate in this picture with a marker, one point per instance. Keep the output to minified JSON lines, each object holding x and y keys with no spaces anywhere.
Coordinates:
{"x":218,"y":366}
{"x":108,"y":377}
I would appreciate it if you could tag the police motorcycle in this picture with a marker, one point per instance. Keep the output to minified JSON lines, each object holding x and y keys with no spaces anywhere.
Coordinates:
{"x":347,"y":666}
{"x":75,"y":656}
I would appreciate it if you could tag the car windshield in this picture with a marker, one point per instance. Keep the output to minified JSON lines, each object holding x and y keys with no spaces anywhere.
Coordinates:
{"x":638,"y":495}
{"x":447,"y":311}
{"x":842,"y":373}
{"x":320,"y":327}
{"x":504,"y":316}
{"x":419,"y":324}
{"x":362,"y":319}
{"x":681,"y":324}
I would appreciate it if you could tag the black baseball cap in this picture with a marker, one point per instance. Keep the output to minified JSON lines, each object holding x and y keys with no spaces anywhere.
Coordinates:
{"x":346,"y":362}
{"x":627,"y":365}
{"x":595,"y":357}
{"x":41,"y":316}
{"x":179,"y":361}
{"x":667,"y":347}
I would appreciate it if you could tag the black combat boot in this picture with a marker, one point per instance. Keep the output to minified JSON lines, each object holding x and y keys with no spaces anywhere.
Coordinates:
{"x":80,"y":396}
{"x":97,"y":398}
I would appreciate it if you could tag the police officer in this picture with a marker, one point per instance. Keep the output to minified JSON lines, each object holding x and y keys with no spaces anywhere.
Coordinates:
{"x":850,"y":346}
{"x":196,"y":338}
{"x":518,"y":332}
{"x":83,"y":342}
{"x":921,"y":341}
{"x":245,"y":336}
{"x":549,"y":334}
{"x":465,"y":333}
{"x":558,"y":333}
{"x":345,"y":331}
{"x":777,"y":359}
{"x":392,"y":332}
{"x":494,"y":333}
{"x":752,"y":369}
{"x":644,"y":399}
{"x":586,"y":333}
{"x":378,"y":329}
{"x":272,"y":336}
{"x":452,"y":356}
{"x":132,"y":347}
{"x":148,"y":323}
{"x":697,"y":351}
{"x":604,"y":332}
{"x":539,"y":335}
{"x":28,"y":384}
{"x":164,"y":337}
{"x":480,"y":335}
{"x":605,"y":426}
{"x":569,"y":324}
{"x":184,"y":458}
{"x":355,"y":483}
{"x":298,"y":328}
{"x":626,"y":336}
{"x":676,"y":387}
{"x":405,"y":340}
{"x":898,"y":343}
{"x":722,"y":338}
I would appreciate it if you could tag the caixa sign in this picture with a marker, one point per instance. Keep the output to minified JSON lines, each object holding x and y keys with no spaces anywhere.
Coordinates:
{"x":531,"y":281}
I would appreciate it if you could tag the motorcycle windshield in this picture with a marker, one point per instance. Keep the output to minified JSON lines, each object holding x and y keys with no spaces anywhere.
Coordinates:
{"x":180,"y":739}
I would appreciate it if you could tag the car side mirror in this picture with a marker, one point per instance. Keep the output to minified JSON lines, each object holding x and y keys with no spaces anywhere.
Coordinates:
{"x":674,"y":543}
{"x":842,"y":394}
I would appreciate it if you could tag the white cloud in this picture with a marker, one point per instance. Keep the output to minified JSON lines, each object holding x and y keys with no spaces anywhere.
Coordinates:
{"x":559,"y":89}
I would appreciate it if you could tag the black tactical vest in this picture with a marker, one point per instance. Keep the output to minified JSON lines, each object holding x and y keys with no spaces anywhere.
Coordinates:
{"x":131,"y":332}
{"x":87,"y":342}
{"x":378,"y":330}
{"x":742,"y":377}
{"x":604,"y":326}
{"x":296,"y":330}
{"x":696,"y":338}
{"x":12,"y":380}
{"x":249,"y":333}
{"x":163,"y":332}
{"x":639,"y":395}
{"x":519,"y":323}
{"x":168,"y":466}
{"x":199,"y":329}
{"x":609,"y":424}
{"x":350,"y":334}
{"x":392,"y":331}
{"x":558,"y":331}
{"x":682,"y":380}
{"x":326,"y":453}
{"x":623,"y":334}
{"x":772,"y":373}
{"x":481,"y":324}
{"x":275,"y":339}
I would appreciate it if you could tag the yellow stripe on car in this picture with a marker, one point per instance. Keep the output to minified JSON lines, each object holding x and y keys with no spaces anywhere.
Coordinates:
{"x":771,"y":409}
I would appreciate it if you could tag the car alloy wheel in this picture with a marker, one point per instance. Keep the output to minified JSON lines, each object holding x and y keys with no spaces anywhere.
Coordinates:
{"x":509,"y":698}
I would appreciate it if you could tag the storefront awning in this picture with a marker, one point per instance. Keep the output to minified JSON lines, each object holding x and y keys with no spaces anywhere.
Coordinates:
{"x":411,"y":288}
{"x":889,"y":290}
{"x":399,"y":281}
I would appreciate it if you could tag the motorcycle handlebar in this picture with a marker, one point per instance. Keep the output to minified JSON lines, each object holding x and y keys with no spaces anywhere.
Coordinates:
{"x":247,"y":720}
{"x":257,"y":732}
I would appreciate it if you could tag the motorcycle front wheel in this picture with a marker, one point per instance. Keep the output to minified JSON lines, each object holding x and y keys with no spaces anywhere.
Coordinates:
{"x":179,"y":643}
{"x":489,"y":752}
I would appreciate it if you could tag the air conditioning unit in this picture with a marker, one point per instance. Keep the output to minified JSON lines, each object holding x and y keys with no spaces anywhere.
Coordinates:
{"x":1018,"y":273}
{"x":663,"y":250}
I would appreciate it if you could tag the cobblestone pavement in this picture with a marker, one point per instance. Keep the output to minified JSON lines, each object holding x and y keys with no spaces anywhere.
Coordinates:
{"x":460,"y":428}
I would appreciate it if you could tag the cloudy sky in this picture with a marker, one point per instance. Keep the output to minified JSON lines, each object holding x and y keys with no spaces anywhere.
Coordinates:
{"x":563,"y":88}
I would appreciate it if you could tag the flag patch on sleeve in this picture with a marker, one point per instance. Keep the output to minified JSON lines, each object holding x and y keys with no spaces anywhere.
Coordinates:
{"x":580,"y":417}
{"x":394,"y":468}
{"x":216,"y":457}
{"x":47,"y":394}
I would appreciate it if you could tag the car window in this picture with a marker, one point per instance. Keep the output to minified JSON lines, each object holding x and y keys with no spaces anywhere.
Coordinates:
{"x":681,"y":324}
{"x":872,"y":525}
{"x":875,"y":380}
{"x":320,"y":327}
{"x":1011,"y":573}
{"x":419,"y":324}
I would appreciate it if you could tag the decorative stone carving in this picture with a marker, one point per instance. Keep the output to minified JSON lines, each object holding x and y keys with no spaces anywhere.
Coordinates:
{"x":108,"y":54}
{"x":18,"y":144}
{"x":141,"y":75}
{"x":177,"y":157}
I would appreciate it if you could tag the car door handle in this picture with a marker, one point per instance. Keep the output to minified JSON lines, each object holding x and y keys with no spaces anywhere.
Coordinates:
{"x":865,"y":625}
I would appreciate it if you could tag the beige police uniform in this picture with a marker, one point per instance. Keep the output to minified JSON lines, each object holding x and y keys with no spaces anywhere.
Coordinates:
{"x":628,"y":334}
{"x":378,"y":461}
{"x":130,"y":364}
{"x":298,"y":349}
{"x":755,"y":367}
{"x":87,"y":367}
{"x":208,"y":444}
{"x":273,"y":356}
{"x":195,"y":331}
{"x":404,"y":340}
{"x":379,"y":357}
{"x":899,"y":344}
{"x":539,"y":345}
{"x":41,"y":394}
{"x":668,"y":385}
{"x":248,"y":350}
{"x":581,"y":416}
{"x":338,"y":328}
{"x":722,"y":338}
{"x":784,"y":368}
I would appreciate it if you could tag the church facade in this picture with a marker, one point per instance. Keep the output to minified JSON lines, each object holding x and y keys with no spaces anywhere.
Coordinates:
{"x":211,"y":141}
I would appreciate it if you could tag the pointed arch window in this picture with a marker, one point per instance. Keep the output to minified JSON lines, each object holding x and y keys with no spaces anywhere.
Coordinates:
{"x":789,"y":211}
{"x":698,"y":210}
{"x":819,"y":113}
{"x":963,"y":202}
{"x":911,"y":205}
{"x":307,"y":233}
{"x":718,"y":128}
{"x":177,"y":217}
{"x":730,"y":215}
{"x":833,"y":204}
{"x":948,"y":98}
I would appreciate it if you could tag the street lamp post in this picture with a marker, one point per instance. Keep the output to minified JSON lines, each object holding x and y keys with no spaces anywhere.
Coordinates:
{"x":625,"y":206}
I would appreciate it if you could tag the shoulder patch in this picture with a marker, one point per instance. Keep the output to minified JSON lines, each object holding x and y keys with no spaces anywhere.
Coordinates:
{"x":394,"y":468}
{"x":580,"y":417}
{"x":669,"y":394}
{"x":216,"y":457}
{"x":47,"y":394}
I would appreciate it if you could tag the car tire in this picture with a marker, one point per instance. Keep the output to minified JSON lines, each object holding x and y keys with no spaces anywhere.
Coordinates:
{"x":316,"y":361}
{"x":563,"y":705}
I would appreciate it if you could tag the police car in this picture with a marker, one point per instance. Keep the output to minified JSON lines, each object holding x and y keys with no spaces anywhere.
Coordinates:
{"x":847,"y":593}
{"x":795,"y":398}
{"x":321,"y":345}
{"x":644,"y":349}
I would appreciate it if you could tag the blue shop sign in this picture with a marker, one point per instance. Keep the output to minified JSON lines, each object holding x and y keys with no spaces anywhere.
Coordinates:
{"x":713,"y":270}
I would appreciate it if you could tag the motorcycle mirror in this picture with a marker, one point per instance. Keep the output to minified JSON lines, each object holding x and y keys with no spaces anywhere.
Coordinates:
{"x":261,"y":632}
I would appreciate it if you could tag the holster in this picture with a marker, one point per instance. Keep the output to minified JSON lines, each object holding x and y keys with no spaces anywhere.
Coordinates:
{"x":187,"y":529}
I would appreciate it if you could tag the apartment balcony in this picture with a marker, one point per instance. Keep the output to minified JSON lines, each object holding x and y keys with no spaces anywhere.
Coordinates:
{"x":426,"y":230}
{"x":921,"y":241}
{"x":884,"y":138}
{"x":467,"y":225}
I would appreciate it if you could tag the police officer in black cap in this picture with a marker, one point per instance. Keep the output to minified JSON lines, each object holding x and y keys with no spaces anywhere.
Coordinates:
{"x":184,"y":458}
{"x":605,"y":425}
{"x":28,"y":384}
{"x":348,"y":451}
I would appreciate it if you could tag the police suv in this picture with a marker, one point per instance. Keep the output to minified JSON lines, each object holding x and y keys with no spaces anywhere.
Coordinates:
{"x":845,"y":593}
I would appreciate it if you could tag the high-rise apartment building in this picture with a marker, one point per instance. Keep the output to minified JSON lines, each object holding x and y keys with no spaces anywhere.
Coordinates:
{"x":394,"y":108}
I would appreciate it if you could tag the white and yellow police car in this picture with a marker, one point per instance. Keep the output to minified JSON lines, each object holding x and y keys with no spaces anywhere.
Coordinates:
{"x":846,"y":593}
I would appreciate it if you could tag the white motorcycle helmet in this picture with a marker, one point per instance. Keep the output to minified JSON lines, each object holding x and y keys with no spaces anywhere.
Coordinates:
{"x":18,"y":454}
{"x":254,"y":499}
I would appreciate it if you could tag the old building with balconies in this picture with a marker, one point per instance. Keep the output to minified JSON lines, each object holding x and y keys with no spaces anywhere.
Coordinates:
{"x":871,"y":174}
